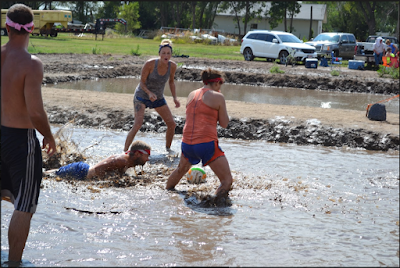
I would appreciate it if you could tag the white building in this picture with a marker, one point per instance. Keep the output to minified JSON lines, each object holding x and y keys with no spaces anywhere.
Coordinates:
{"x":301,"y":21}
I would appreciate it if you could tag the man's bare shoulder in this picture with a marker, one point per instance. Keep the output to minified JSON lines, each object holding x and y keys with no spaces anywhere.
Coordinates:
{"x":36,"y":62}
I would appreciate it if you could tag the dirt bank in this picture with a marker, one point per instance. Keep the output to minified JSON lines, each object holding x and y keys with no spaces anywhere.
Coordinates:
{"x":275,"y":123}
{"x":71,"y":67}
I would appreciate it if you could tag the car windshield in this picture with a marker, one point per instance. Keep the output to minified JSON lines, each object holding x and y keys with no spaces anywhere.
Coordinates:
{"x":327,"y":37}
{"x":286,"y":38}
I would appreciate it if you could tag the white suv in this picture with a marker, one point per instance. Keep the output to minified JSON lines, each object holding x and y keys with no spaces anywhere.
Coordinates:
{"x":275,"y":45}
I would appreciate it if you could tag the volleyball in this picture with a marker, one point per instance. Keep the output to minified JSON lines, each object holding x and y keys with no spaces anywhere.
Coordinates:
{"x":196,"y":175}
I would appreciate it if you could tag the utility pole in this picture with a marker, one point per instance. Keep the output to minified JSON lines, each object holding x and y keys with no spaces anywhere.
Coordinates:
{"x":310,"y":33}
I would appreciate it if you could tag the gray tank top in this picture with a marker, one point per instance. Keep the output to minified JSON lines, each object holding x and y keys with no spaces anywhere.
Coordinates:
{"x":155,"y":83}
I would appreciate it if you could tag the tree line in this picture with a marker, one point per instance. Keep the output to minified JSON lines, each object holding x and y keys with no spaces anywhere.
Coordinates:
{"x":362,"y":18}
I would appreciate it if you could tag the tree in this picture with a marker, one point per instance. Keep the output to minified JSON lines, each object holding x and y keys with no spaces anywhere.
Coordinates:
{"x":130,"y":13}
{"x":179,"y":8}
{"x":32,"y":4}
{"x":193,"y":6}
{"x":368,"y":10}
{"x":235,"y":8}
{"x":109,"y":10}
{"x":149,"y":15}
{"x":252,"y":12}
{"x":83,"y":11}
{"x":293,"y":8}
{"x":277,"y":13}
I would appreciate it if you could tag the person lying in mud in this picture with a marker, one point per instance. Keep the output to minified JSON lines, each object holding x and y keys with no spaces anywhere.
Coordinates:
{"x":137,"y":155}
{"x":205,"y":108}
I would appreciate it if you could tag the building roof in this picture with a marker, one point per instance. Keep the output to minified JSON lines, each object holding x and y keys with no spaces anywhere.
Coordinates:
{"x":318,"y":13}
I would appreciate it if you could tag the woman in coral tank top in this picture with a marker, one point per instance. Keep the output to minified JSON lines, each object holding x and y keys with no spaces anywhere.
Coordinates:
{"x":204,"y":109}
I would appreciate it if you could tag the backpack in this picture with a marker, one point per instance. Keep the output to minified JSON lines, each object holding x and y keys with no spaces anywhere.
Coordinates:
{"x":377,"y":112}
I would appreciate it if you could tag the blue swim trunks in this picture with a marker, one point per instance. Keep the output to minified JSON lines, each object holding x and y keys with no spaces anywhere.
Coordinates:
{"x":77,"y":170}
{"x":206,"y":152}
{"x":152,"y":104}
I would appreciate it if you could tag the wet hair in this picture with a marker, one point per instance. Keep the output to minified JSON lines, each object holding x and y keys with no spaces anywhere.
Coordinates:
{"x":22,"y":14}
{"x":165,"y":43}
{"x":209,"y":74}
{"x":138,"y":145}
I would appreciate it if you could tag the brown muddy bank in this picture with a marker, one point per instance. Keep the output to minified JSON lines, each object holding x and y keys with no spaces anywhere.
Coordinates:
{"x":351,"y":129}
{"x":71,"y":67}
{"x":274,"y":130}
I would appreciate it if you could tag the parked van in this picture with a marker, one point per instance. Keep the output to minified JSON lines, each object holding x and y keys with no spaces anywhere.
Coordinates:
{"x":274,"y":45}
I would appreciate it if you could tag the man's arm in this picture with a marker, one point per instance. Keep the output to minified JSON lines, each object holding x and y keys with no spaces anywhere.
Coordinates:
{"x":34,"y":103}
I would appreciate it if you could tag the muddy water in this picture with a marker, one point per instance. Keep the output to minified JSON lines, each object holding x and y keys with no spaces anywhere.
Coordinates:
{"x":291,"y":206}
{"x":256,"y":94}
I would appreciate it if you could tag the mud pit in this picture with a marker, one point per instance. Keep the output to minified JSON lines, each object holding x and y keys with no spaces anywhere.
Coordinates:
{"x":274,"y":123}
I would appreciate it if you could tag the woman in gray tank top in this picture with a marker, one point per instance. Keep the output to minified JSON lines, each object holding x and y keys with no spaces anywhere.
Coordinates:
{"x":150,"y":93}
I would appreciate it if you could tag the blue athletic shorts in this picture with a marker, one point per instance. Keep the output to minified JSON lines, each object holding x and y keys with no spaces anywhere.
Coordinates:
{"x":152,"y":104}
{"x":77,"y":170}
{"x":21,"y":167}
{"x":206,"y":152}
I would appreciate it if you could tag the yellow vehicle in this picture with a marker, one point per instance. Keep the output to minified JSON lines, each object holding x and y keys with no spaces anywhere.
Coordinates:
{"x":44,"y":21}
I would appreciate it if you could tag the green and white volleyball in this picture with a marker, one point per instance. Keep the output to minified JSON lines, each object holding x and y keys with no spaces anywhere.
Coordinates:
{"x":196,"y":175}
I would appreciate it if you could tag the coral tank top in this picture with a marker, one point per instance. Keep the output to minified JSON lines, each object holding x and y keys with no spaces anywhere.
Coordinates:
{"x":201,"y":121}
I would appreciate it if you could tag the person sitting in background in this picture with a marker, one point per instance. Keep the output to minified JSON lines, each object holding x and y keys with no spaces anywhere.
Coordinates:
{"x":137,"y":155}
{"x":392,"y":46}
{"x":390,"y":60}
{"x":389,"y":52}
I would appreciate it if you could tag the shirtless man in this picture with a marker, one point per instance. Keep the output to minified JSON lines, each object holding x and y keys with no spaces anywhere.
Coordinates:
{"x":137,"y":155}
{"x":22,"y":113}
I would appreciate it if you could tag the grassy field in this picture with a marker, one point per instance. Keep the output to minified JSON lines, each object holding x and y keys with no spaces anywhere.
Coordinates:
{"x":120,"y":45}
{"x":69,"y":43}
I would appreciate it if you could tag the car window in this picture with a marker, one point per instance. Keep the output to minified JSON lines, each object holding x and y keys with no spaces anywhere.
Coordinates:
{"x":352,"y":39}
{"x":261,"y":37}
{"x":344,"y":39}
{"x":288,"y":38}
{"x":269,"y":38}
{"x":252,"y":36}
{"x":327,"y":37}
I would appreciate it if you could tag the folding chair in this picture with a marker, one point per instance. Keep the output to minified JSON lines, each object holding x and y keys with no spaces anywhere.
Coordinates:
{"x":335,"y":60}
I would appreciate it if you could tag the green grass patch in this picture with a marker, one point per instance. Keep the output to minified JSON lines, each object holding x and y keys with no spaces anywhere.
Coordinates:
{"x":275,"y":69}
{"x":390,"y":71}
{"x":66,"y":43}
{"x":135,"y":52}
{"x":96,"y":50}
{"x":335,"y":72}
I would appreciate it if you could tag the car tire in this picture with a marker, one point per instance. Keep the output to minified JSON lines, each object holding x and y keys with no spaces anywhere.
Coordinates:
{"x":336,"y":53}
{"x":248,"y":54}
{"x":282,"y":56}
